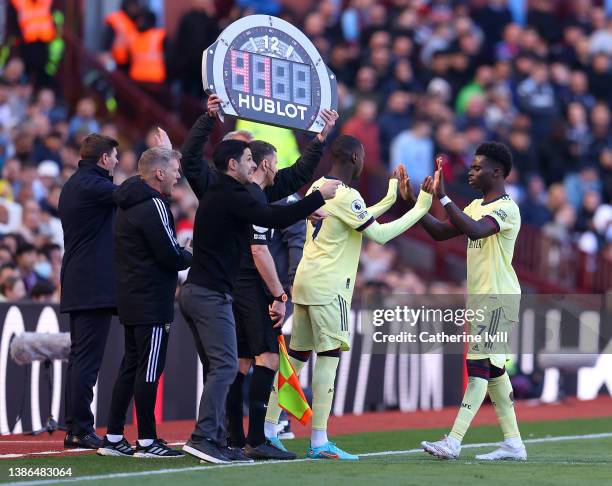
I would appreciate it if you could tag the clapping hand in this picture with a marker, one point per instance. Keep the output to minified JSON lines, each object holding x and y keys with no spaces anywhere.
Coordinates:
{"x":404,"y":185}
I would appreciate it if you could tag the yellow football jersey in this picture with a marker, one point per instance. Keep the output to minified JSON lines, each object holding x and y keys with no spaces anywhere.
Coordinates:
{"x":489,"y":260}
{"x":331,"y":252}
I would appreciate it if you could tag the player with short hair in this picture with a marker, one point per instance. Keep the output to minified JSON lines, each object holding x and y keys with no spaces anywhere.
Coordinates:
{"x":492,"y":224}
{"x":325,"y":280}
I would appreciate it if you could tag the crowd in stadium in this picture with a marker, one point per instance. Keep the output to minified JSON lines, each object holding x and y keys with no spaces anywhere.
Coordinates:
{"x":416,"y":78}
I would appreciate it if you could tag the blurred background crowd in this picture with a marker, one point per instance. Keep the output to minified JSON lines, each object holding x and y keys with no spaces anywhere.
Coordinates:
{"x":416,"y":78}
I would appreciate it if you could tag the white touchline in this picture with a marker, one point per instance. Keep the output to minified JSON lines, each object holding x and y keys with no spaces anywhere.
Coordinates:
{"x":211,"y":467}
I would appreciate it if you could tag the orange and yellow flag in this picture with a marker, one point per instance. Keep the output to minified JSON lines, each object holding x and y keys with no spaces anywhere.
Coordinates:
{"x":290,"y":395}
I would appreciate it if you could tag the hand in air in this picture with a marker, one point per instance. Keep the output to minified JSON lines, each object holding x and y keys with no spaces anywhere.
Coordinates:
{"x":329,"y":117}
{"x":161,"y":139}
{"x":213,"y":105}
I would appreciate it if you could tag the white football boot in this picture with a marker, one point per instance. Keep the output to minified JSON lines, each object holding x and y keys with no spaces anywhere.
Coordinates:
{"x":505,"y":452}
{"x":447,"y":448}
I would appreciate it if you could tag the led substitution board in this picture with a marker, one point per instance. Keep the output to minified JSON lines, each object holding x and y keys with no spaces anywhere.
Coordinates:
{"x":266,"y":70}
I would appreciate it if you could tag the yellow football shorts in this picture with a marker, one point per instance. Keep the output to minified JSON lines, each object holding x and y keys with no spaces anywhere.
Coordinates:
{"x":494,"y":331}
{"x":321,"y":327}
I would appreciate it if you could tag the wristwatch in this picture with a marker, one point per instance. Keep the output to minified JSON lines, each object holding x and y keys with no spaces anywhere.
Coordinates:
{"x":281,"y":298}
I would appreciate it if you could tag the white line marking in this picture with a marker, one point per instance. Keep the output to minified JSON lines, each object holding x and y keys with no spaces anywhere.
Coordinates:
{"x":211,"y":467}
{"x":31,"y":442}
{"x":42,"y":453}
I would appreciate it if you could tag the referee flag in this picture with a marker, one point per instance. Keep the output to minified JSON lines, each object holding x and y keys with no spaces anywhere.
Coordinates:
{"x":290,"y":395}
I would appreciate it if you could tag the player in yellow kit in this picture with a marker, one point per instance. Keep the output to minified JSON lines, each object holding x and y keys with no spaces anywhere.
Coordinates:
{"x":324,"y":283}
{"x":491,"y":224}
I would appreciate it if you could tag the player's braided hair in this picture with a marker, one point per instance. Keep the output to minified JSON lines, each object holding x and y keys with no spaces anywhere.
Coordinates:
{"x":496,"y":152}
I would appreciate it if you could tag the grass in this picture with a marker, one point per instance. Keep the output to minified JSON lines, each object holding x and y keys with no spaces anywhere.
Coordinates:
{"x":570,"y":462}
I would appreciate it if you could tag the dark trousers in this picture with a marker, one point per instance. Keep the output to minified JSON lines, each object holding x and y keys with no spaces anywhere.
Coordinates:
{"x":88,"y":333}
{"x":209,"y":316}
{"x":142,"y":365}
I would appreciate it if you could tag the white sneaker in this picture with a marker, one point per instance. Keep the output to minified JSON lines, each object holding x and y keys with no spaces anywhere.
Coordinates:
{"x":447,"y":448}
{"x":506,"y":452}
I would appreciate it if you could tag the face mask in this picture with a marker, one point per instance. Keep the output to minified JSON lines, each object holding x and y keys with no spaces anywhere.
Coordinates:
{"x":43,"y":269}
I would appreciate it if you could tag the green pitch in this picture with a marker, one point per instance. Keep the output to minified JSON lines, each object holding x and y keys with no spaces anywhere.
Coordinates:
{"x":560,"y":453}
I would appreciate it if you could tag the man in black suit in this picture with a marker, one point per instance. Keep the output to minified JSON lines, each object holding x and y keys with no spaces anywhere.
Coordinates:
{"x":87,"y":211}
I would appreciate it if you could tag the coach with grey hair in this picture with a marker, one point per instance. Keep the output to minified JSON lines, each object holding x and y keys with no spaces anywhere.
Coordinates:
{"x":147,"y":260}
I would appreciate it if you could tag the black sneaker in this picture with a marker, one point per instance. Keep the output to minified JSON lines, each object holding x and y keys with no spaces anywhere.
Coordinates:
{"x":235,"y":454}
{"x":157,"y":449}
{"x":268,"y":452}
{"x":89,"y":441}
{"x":121,"y":448}
{"x":207,"y":450}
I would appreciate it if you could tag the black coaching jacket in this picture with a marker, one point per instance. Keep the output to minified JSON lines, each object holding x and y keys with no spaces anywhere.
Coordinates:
{"x":87,"y":211}
{"x":147,"y":255}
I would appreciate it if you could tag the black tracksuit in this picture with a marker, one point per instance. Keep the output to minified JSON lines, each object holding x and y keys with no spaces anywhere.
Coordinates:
{"x":87,"y":211}
{"x":147,"y":259}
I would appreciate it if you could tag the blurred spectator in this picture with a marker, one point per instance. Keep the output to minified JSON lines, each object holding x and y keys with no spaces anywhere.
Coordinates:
{"x":364,"y":127}
{"x":127,"y":166}
{"x":578,"y":184}
{"x":555,"y":155}
{"x":13,"y":289}
{"x":37,"y":30}
{"x":482,"y":80}
{"x":474,"y":115}
{"x":43,"y":291}
{"x":119,"y":27}
{"x":48,"y":148}
{"x":523,"y":154}
{"x":590,"y":202}
{"x":6,"y":256}
{"x":600,"y":77}
{"x":47,"y":105}
{"x":537,"y":99}
{"x":578,"y":91}
{"x":148,"y":53}
{"x":601,"y":39}
{"x":395,"y":118}
{"x":533,"y":209}
{"x":10,"y":216}
{"x":84,"y":120}
{"x":508,"y":46}
{"x":557,"y":246}
{"x":198,"y":29}
{"x":376,"y":261}
{"x":414,"y":148}
{"x":541,"y":16}
{"x":492,"y":19}
{"x":26,"y":258}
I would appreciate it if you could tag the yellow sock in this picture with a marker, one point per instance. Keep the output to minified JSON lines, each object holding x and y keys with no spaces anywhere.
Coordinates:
{"x":323,"y":379}
{"x":500,"y":391}
{"x":274,"y":409}
{"x":475,"y":394}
